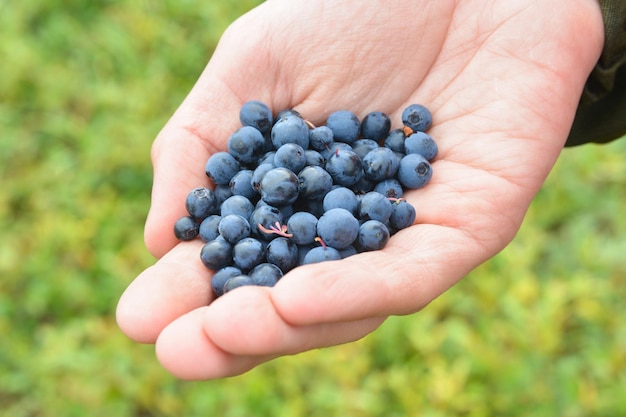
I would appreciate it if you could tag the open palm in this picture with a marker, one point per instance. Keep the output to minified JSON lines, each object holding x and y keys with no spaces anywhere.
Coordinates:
{"x":502,"y":80}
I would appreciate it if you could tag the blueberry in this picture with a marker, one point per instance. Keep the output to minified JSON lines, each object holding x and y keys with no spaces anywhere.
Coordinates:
{"x":375,"y":125}
{"x":290,"y":156}
{"x":201,"y":203}
{"x":246,"y":144}
{"x":341,"y":197}
{"x":290,"y":129}
{"x":403,"y":214}
{"x":256,"y":114}
{"x":390,"y":188}
{"x":303,"y":226}
{"x":320,"y":138}
{"x":314,"y":182}
{"x":380,"y":164}
{"x":279,"y":187}
{"x":216,"y":254}
{"x":208,"y":228}
{"x":222,"y":192}
{"x":374,"y":206}
{"x":421,"y":143}
{"x":248,"y":253}
{"x":265,"y":274}
{"x":221,"y":167}
{"x":286,"y":113}
{"x":321,"y":254}
{"x":233,"y":228}
{"x":345,"y":126}
{"x":417,"y":117}
{"x":186,"y":228}
{"x":241,"y":184}
{"x":236,"y":282}
{"x":314,"y":158}
{"x":395,"y":140}
{"x":258,"y":174}
{"x":373,"y":235}
{"x":363,"y":146}
{"x":221,"y":276}
{"x":345,"y":167}
{"x":267,"y":216}
{"x":338,"y":228}
{"x":282,"y":252}
{"x":237,"y":204}
{"x":415,"y":171}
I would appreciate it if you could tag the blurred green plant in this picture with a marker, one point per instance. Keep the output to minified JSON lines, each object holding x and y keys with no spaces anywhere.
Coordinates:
{"x":86,"y":86}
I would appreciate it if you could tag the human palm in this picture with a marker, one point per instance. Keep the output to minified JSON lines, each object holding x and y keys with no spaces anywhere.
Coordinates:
{"x":502,"y":80}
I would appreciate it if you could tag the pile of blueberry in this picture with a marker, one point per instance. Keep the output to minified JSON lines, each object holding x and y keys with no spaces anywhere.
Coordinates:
{"x":288,"y":193}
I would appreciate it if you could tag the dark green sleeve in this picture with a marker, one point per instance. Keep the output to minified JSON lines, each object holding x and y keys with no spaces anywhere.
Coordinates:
{"x":601,"y":115}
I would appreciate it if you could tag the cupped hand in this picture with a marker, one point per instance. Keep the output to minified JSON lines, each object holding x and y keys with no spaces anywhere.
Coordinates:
{"x":502,"y":80}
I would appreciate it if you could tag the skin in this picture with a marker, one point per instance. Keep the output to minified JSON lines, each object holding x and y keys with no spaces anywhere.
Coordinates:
{"x":502,"y":79}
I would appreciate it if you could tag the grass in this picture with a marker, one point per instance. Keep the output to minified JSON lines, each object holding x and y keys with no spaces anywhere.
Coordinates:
{"x":538,"y":330}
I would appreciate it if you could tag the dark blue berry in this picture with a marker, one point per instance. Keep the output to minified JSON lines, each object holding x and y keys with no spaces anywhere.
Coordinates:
{"x":246,"y":144}
{"x":345,"y":126}
{"x":267,"y":216}
{"x":282,"y":252}
{"x":314,"y":182}
{"x":390,"y":188}
{"x":221,"y":167}
{"x":314,"y":158}
{"x":290,"y":129}
{"x":417,"y":117}
{"x":233,"y":228}
{"x":265,"y":274}
{"x":403,"y":214}
{"x":221,"y":276}
{"x":320,"y":138}
{"x":321,"y":254}
{"x":303,"y":226}
{"x":363,"y":146}
{"x":345,"y":167}
{"x":290,"y":156}
{"x":374,"y":206}
{"x":256,"y":114}
{"x":201,"y":203}
{"x":341,"y":197}
{"x":373,"y":235}
{"x":279,"y":187}
{"x":415,"y":171}
{"x":338,"y":228}
{"x":375,"y":125}
{"x":236,"y":282}
{"x":216,"y":254}
{"x":186,"y":228}
{"x":395,"y":140}
{"x":248,"y":253}
{"x":208,"y":228}
{"x":237,"y":204}
{"x":241,"y":184}
{"x":421,"y":143}
{"x":380,"y":164}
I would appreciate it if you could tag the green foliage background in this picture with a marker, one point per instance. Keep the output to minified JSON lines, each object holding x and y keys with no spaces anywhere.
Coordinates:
{"x":84,"y":88}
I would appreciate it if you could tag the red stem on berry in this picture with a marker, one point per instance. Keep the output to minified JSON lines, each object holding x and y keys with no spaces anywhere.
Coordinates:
{"x":276,"y":228}
{"x":396,"y":199}
{"x":320,"y":241}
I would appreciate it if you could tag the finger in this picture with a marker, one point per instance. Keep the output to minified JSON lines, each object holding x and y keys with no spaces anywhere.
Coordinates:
{"x":177,"y":284}
{"x":192,"y":347}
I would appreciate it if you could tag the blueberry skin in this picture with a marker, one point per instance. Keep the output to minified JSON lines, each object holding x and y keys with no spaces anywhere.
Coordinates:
{"x":279,"y":187}
{"x":221,"y":276}
{"x":265,"y":274}
{"x":246,"y":144}
{"x":344,"y":125}
{"x":236,"y":282}
{"x":237,"y":204}
{"x":415,"y":171}
{"x":390,"y":188}
{"x":403,"y":215}
{"x":248,"y":253}
{"x":303,"y":226}
{"x":282,"y":252}
{"x":380,"y":164}
{"x":290,"y":156}
{"x":417,"y":117}
{"x":241,"y":184}
{"x":201,"y":203}
{"x":363,"y":146}
{"x":314,"y":158}
{"x":216,"y":254}
{"x":338,"y":228}
{"x":373,"y":235}
{"x":314,"y":182}
{"x":376,"y":126}
{"x":267,"y":216}
{"x":375,"y":206}
{"x":222,"y":192}
{"x":233,"y":228}
{"x":186,"y":228}
{"x":341,"y":197}
{"x":258,"y":174}
{"x":345,"y":167}
{"x":208,"y":228}
{"x":256,"y":114}
{"x":395,"y":140}
{"x":321,"y":254}
{"x":221,"y":167}
{"x":290,"y":129}
{"x":320,"y":138}
{"x":421,"y":143}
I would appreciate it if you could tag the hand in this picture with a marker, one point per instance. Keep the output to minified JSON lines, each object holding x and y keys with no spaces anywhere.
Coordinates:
{"x":502,"y":80}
